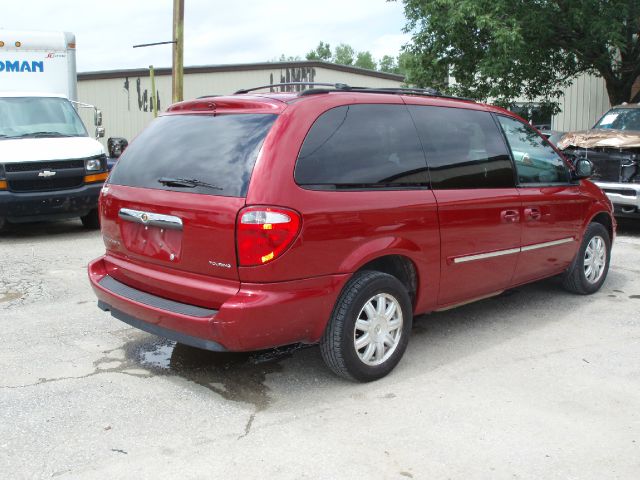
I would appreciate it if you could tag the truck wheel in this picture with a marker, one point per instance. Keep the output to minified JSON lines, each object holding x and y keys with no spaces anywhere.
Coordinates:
{"x":589,"y":269}
{"x":369,"y":328}
{"x":91,"y":220}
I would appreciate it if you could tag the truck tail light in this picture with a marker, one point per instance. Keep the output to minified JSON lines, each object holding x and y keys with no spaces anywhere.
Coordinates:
{"x":264,"y":233}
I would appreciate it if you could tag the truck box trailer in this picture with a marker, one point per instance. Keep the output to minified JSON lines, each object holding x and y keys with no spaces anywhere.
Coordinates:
{"x":50,"y":167}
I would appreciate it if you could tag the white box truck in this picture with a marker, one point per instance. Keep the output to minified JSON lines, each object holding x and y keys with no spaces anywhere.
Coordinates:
{"x":50,"y":168}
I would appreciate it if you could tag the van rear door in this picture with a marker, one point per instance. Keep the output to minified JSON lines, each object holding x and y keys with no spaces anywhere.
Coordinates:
{"x":172,"y":200}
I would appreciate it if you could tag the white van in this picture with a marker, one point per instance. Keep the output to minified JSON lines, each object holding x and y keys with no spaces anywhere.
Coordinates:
{"x":50,"y":167}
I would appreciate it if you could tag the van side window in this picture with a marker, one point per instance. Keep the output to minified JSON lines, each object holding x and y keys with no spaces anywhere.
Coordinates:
{"x":362,"y":146}
{"x":536,"y":161}
{"x":464,"y":148}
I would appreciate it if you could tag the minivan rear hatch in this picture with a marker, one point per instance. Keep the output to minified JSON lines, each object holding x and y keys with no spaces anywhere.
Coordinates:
{"x":172,"y":199}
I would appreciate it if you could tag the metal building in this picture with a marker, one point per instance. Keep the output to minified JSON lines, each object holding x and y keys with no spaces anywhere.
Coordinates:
{"x":124,"y":96}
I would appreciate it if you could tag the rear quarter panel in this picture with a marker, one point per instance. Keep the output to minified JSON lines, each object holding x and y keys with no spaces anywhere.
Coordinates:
{"x":341,"y":230}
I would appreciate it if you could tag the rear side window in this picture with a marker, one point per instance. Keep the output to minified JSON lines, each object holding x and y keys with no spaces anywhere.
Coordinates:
{"x":219,"y":151}
{"x":362,"y":146}
{"x":464,"y":148}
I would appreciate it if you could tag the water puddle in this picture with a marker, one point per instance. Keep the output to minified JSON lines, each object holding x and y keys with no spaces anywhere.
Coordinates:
{"x":238,"y":377}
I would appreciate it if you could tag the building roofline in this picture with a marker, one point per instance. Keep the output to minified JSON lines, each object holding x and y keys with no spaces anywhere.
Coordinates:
{"x":241,"y":67}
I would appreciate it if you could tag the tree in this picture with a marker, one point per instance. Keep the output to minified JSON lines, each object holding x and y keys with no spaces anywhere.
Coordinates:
{"x":289,"y":58}
{"x":321,"y":52}
{"x":388,"y":64}
{"x":365,"y":60}
{"x":397,"y":65}
{"x":506,"y":49}
{"x":344,"y":54}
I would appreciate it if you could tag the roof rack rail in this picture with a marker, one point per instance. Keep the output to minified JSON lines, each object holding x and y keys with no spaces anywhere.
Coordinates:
{"x":419,"y":91}
{"x":343,"y":87}
{"x":426,"y":92}
{"x":337,"y":86}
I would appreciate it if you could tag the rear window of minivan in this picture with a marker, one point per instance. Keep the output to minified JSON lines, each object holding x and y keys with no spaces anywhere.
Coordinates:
{"x":215,"y":154}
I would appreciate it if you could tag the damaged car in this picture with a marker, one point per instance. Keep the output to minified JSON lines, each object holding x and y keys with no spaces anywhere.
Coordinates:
{"x":613,"y":147}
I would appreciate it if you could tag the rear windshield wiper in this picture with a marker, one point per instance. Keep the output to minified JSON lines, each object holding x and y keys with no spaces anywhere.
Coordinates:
{"x":186,"y":183}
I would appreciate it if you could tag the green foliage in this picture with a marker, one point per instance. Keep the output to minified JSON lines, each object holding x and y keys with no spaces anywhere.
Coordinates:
{"x":290,"y":58}
{"x":397,"y":65}
{"x":507,"y":49}
{"x":321,"y":52}
{"x":365,"y":60}
{"x":388,"y":64}
{"x":344,"y":54}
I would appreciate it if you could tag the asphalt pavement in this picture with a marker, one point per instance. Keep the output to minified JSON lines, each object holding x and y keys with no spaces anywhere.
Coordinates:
{"x":534,"y":384}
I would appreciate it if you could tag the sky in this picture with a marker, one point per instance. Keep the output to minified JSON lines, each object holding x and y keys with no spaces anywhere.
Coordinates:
{"x":216,"y":32}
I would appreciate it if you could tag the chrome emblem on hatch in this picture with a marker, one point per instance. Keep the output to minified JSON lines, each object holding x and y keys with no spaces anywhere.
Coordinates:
{"x":144,"y":217}
{"x":46,"y":173}
{"x":218,"y":264}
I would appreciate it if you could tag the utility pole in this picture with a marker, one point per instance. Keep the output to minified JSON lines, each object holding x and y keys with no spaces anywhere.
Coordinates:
{"x":178,"y":50}
{"x":154,"y":95}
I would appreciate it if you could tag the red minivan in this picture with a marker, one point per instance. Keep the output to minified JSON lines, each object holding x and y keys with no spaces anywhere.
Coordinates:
{"x":333,"y":216}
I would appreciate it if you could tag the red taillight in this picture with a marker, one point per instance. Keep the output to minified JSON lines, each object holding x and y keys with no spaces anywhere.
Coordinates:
{"x":264,"y":233}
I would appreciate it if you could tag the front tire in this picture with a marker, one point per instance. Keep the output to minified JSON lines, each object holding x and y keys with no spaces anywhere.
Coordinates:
{"x":591,"y":265}
{"x":91,"y":220}
{"x":369,"y":328}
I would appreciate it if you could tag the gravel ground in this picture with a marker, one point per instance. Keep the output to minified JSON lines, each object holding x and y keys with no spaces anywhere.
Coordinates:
{"x":536,"y":383}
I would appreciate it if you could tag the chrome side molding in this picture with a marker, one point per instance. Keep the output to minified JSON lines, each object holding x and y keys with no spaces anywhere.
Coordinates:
{"x":148,"y":218}
{"x":511,"y":251}
{"x":547,"y":244}
{"x":482,"y":256}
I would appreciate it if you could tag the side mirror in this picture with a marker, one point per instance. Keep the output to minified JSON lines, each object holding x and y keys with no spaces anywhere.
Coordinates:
{"x":99,"y":132}
{"x":584,"y":168}
{"x":116,"y":145}
{"x":97,"y":118}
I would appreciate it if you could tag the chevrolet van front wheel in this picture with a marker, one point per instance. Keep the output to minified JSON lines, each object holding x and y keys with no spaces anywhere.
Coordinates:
{"x":369,"y":328}
{"x":91,"y":220}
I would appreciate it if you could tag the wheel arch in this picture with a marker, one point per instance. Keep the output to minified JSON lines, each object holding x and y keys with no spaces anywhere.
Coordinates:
{"x":606,"y":220}
{"x":399,"y":266}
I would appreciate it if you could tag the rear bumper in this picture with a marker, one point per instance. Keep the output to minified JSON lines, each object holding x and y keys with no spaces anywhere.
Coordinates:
{"x":622,"y":195}
{"x":258,"y":316}
{"x":61,"y":204}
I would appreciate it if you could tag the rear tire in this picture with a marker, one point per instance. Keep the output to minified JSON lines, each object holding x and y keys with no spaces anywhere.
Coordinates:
{"x":369,"y":328}
{"x":91,"y":220}
{"x":589,"y":269}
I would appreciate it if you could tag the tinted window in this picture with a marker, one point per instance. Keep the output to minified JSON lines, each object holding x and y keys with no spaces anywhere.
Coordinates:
{"x":218,"y":150}
{"x":362,"y":146}
{"x":464,"y":148}
{"x":536,"y":161}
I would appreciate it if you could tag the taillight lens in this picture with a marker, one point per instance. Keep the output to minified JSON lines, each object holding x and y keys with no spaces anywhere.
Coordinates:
{"x":264,"y":233}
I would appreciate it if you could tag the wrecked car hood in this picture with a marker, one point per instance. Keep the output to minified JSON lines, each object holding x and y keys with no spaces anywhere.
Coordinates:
{"x":601,"y":138}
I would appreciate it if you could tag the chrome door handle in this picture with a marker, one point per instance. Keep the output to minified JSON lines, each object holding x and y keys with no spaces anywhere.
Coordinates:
{"x":532,"y":213}
{"x":509,"y":216}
